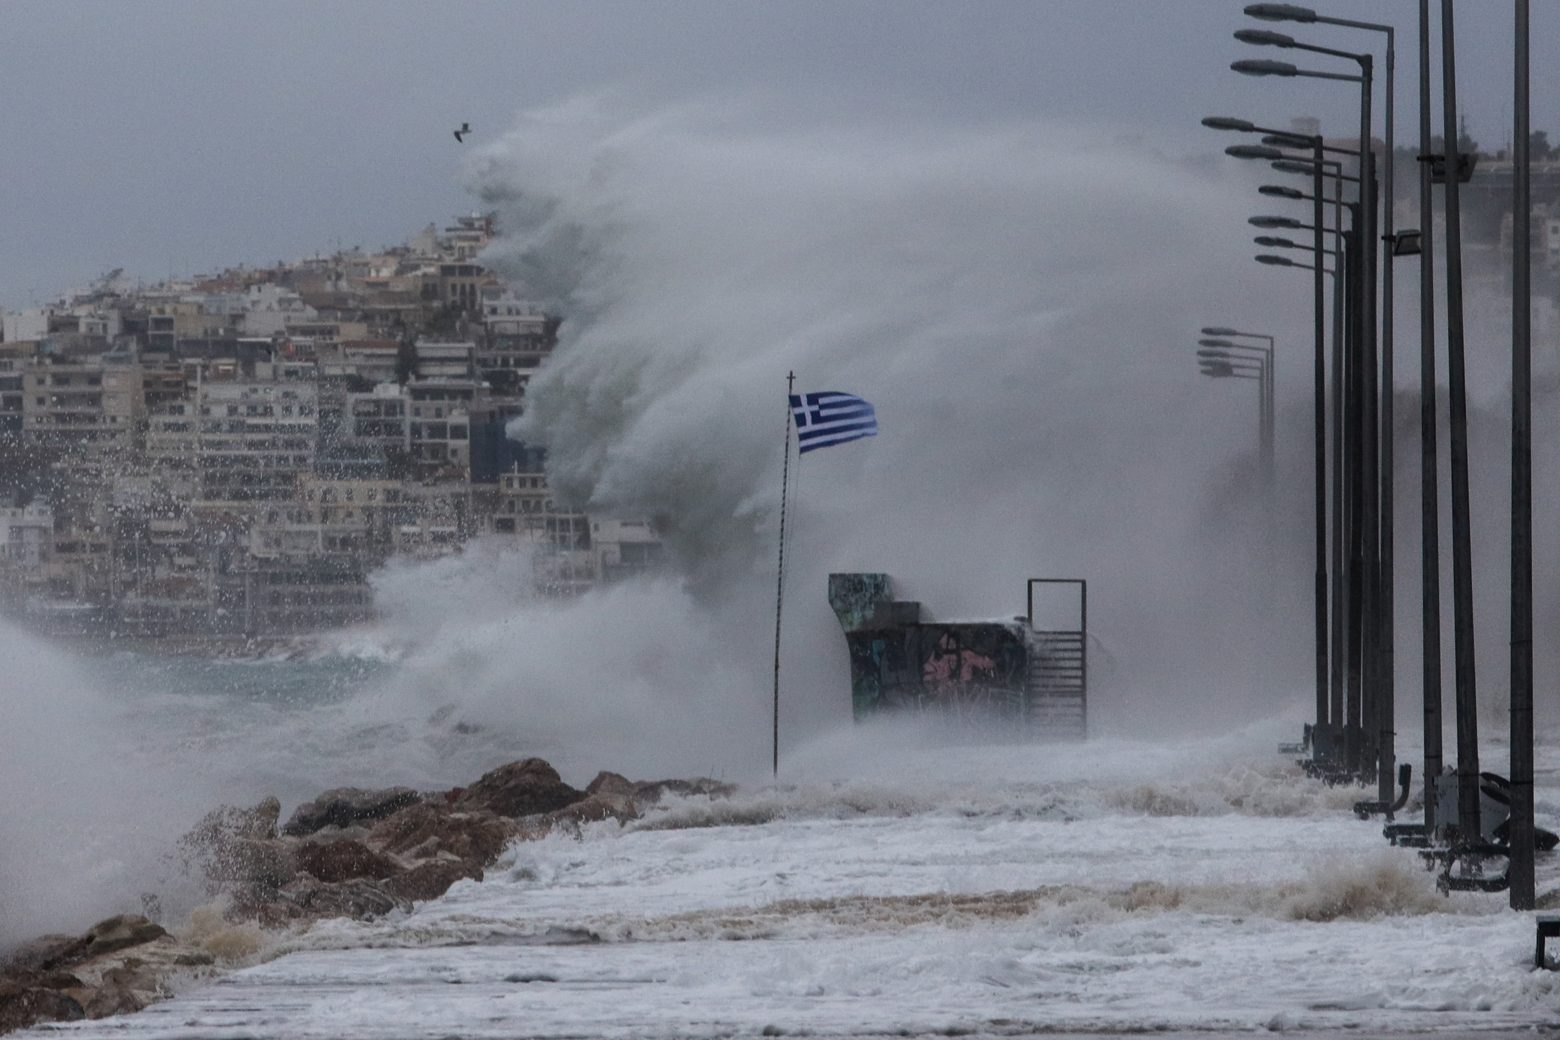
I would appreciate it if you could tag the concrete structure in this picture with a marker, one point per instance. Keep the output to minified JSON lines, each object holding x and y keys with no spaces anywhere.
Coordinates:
{"x":71,"y":403}
{"x":440,"y":424}
{"x":252,"y":440}
{"x":991,"y":673}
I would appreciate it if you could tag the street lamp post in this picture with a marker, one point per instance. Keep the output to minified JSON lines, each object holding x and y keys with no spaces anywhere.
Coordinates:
{"x":1217,"y":367}
{"x":1429,"y":471}
{"x":1319,"y":393}
{"x":1219,"y":350}
{"x":1520,"y":872}
{"x":1386,"y":737}
{"x":1456,"y":388}
{"x":1370,"y":573}
{"x":1342,"y":576}
{"x":1347,"y":549}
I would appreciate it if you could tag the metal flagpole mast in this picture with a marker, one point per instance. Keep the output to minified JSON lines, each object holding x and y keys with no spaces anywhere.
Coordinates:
{"x":785,"y":482}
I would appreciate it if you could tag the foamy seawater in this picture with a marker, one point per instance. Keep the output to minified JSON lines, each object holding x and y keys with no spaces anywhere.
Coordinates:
{"x":1106,"y":888}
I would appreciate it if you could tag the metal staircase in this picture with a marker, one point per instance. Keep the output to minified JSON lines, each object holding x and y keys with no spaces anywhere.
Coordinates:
{"x":1056,"y":702}
{"x":1058,"y":684}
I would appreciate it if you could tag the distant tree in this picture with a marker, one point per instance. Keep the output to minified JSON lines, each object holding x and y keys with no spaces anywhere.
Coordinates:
{"x":405,"y":361}
{"x":1539,"y":147}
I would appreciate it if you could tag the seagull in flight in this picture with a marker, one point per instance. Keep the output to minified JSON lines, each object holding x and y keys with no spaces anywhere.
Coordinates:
{"x":465,"y":128}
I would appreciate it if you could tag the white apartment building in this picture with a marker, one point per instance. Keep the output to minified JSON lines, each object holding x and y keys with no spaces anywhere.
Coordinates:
{"x":241,"y":443}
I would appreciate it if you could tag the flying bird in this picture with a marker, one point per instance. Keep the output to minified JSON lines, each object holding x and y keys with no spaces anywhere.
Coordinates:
{"x":465,"y":128}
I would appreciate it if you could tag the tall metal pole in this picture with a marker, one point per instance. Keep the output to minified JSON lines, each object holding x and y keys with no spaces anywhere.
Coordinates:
{"x":1386,"y":724}
{"x":1429,"y":491}
{"x":1339,"y":641}
{"x":1320,"y":410}
{"x":1370,"y":514}
{"x":1353,"y":491}
{"x":1521,"y":831}
{"x":785,"y":475}
{"x":1462,"y":557}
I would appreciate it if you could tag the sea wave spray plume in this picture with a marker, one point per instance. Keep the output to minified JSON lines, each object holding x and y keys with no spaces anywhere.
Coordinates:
{"x":1018,"y":299}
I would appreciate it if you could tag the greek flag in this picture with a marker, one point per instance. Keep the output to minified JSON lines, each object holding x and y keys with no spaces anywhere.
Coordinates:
{"x":829,"y":417}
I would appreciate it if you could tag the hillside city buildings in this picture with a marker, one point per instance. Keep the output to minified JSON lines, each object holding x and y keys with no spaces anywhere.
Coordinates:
{"x":234,"y":455}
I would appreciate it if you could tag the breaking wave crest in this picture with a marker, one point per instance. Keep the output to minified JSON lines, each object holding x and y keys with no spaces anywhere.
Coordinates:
{"x":1264,"y":790}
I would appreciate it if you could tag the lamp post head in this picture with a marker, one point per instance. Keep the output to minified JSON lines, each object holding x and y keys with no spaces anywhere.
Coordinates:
{"x":1264,"y":68}
{"x":1218,"y":330}
{"x":1295,"y":166}
{"x":1407,"y":243}
{"x":1289,"y":140}
{"x":1216,"y":369}
{"x":1274,"y":222}
{"x":1280,"y":13}
{"x":1215,"y":355}
{"x":1217,"y":342}
{"x":1275,"y":261}
{"x":1271,"y":242}
{"x":1228,"y":123}
{"x":1263,"y":38}
{"x":1253,"y":151}
{"x":1278,"y":191}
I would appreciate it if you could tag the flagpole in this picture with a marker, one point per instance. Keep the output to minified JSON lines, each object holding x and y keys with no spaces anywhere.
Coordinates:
{"x":785,"y":480}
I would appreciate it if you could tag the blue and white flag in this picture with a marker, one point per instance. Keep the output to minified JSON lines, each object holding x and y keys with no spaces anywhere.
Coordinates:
{"x":829,"y":417}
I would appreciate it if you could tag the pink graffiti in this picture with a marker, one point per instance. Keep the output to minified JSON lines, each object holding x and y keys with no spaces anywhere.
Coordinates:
{"x":955,"y":665}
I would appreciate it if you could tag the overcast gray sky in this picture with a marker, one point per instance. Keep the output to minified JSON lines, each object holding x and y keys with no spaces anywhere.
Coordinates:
{"x":179,"y":136}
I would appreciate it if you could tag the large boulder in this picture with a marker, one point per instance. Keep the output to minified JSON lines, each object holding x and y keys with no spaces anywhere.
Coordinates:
{"x":122,"y":991}
{"x":343,"y":860}
{"x":607,"y":782}
{"x":357,"y":898}
{"x":524,"y":788}
{"x":603,"y":805}
{"x":259,"y":823}
{"x":22,"y":1005}
{"x":116,"y":933}
{"x":344,"y":806}
{"x":38,"y":954}
{"x":431,"y":879}
{"x":233,"y":848}
{"x":432,"y":829}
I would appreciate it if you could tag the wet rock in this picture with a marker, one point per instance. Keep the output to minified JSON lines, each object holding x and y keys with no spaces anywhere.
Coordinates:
{"x":117,"y":933}
{"x":233,"y":847}
{"x":260,"y":824}
{"x":345,"y":806}
{"x":524,"y":788}
{"x":431,"y":828}
{"x":38,"y":954}
{"x":649,"y":792}
{"x":23,"y":1005}
{"x":610,"y":783}
{"x":358,"y":898}
{"x":343,"y":860}
{"x":114,"y":998}
{"x":602,"y":805}
{"x":431,"y":879}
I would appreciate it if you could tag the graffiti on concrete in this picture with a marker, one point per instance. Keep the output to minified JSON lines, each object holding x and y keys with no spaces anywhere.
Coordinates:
{"x":899,"y":662}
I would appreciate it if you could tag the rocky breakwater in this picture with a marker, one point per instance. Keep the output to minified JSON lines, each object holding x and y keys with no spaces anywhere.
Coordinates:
{"x":351,"y":852}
